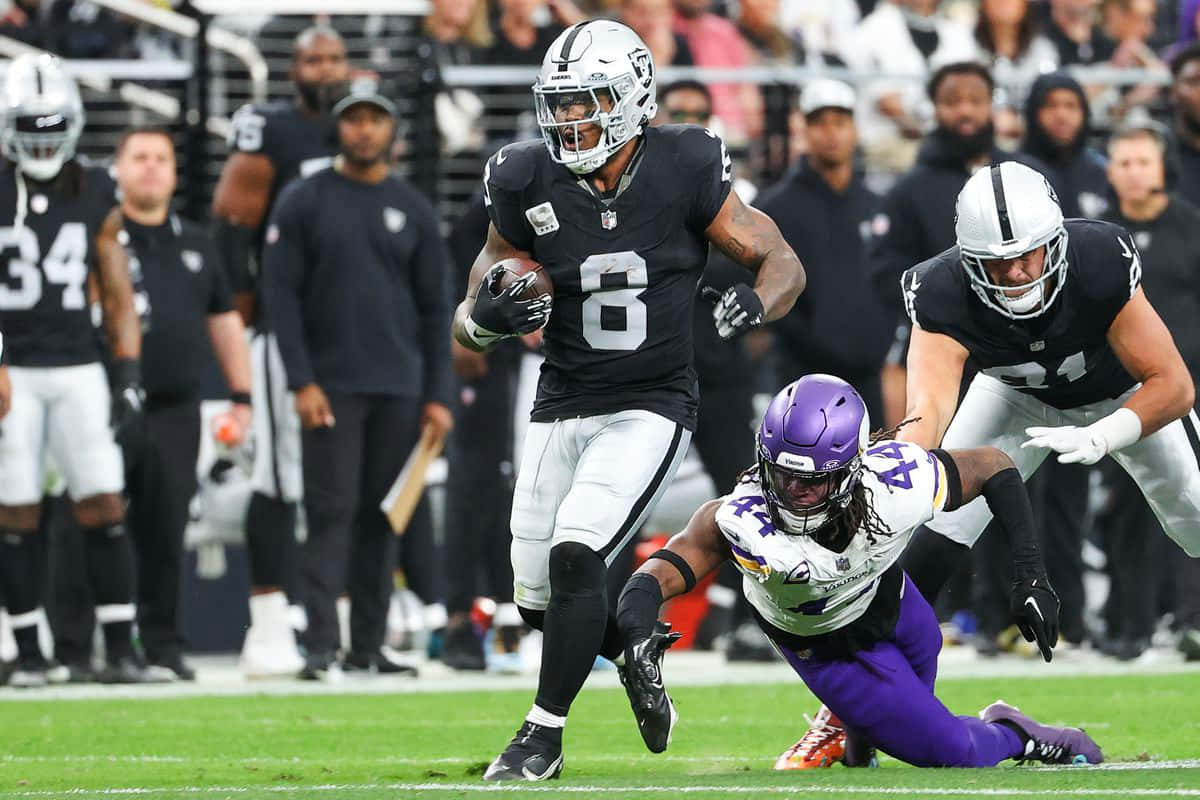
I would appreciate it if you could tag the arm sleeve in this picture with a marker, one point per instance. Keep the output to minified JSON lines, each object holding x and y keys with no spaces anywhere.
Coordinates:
{"x":220,"y":297}
{"x":284,"y":274}
{"x":504,"y":177}
{"x":432,"y":297}
{"x":712,"y":179}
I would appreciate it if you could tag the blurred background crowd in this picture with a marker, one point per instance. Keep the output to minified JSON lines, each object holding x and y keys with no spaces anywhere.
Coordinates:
{"x":853,"y":123}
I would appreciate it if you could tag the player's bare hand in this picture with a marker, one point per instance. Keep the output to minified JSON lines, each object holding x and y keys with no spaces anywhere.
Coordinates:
{"x":565,"y":12}
{"x":5,"y":392}
{"x":438,"y":416}
{"x":230,"y":428}
{"x":313,"y":407}
{"x":468,"y":364}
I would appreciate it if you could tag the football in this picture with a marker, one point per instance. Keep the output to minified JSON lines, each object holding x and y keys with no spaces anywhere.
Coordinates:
{"x":516,"y":267}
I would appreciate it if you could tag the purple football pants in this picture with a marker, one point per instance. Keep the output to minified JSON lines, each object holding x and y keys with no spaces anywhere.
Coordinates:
{"x":885,"y":695}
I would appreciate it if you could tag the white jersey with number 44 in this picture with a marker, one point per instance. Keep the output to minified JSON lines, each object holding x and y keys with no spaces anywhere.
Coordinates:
{"x":806,"y":589}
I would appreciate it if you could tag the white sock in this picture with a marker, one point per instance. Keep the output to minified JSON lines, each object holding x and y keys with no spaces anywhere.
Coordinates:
{"x":540,"y":716}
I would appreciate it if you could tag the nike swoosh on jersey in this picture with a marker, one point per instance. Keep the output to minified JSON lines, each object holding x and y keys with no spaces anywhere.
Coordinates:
{"x":1029,"y":601}
{"x":500,"y":156}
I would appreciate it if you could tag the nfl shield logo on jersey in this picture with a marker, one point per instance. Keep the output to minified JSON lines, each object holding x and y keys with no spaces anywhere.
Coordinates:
{"x":608,"y":220}
{"x":394,"y":219}
{"x":192,"y":259}
{"x":842,"y":563}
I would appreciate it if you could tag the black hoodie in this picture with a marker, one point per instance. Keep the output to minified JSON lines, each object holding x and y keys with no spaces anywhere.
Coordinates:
{"x":919,"y":212}
{"x":1079,"y":173}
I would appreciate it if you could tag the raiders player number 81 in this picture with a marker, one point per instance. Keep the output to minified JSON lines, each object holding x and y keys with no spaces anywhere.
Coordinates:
{"x":620,"y":216}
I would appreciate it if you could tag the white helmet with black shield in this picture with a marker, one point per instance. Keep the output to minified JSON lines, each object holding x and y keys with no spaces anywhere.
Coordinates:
{"x":597,"y":76}
{"x":43,"y":115}
{"x":1004,"y":212}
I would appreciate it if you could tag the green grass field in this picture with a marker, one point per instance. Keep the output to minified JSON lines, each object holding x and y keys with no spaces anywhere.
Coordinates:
{"x":436,"y":745}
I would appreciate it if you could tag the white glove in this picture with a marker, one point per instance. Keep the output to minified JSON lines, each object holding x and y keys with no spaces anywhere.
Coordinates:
{"x":1088,"y":445}
{"x":1075,"y":445}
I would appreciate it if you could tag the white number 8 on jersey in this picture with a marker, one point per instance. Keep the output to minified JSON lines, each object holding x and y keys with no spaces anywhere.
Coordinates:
{"x":591,"y":274}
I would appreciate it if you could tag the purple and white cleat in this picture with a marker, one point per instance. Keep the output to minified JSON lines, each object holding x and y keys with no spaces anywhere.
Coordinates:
{"x":1045,"y":743}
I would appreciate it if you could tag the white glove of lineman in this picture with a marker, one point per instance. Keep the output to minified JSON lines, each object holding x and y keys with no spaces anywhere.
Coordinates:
{"x":1074,"y":445}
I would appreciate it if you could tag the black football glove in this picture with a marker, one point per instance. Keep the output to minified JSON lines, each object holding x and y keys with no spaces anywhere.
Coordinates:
{"x":735,"y":311}
{"x":1035,"y":608}
{"x":498,"y":315}
{"x":129,"y":400}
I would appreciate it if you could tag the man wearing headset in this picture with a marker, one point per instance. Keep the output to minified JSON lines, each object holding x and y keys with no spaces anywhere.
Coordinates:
{"x":1142,"y":170}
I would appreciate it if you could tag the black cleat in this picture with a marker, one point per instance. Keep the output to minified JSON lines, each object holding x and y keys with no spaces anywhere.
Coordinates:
{"x":384,"y":661}
{"x":462,"y":649}
{"x":29,"y":672}
{"x":641,"y":675}
{"x":1048,"y":744}
{"x":534,"y":754}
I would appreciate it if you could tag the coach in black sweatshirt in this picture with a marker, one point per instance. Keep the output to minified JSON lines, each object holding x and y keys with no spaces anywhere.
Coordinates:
{"x":357,"y":293}
{"x":1056,"y":133}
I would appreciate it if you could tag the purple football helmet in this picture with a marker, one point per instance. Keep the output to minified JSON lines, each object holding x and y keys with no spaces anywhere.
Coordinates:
{"x":810,"y":448}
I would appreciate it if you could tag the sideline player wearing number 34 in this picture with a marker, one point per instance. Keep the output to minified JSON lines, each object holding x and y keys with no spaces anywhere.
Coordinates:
{"x":620,"y":216}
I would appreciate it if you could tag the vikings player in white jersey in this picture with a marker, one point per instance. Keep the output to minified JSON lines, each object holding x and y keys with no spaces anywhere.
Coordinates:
{"x":817,"y":528}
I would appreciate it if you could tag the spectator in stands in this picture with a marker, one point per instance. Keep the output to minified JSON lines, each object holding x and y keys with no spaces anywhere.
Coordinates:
{"x":896,"y":42}
{"x":828,"y":215}
{"x":22,"y":21}
{"x":1188,"y":26}
{"x":653,"y":20}
{"x":758,"y":23}
{"x":187,"y":311}
{"x":820,"y":29}
{"x":1185,"y":97}
{"x":1008,"y":35}
{"x":1130,"y":23}
{"x":519,"y":39}
{"x":1073,"y":30}
{"x":716,"y":42}
{"x":1056,"y":133}
{"x":81,"y":29}
{"x":455,"y":33}
{"x":1163,"y":225}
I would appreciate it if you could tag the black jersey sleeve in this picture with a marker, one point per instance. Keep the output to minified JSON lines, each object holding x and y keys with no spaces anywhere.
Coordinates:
{"x":284,"y":269}
{"x":101,"y":191}
{"x":705,"y":163}
{"x":1105,"y":263}
{"x":256,"y":129}
{"x":933,"y":293}
{"x":506,"y":177}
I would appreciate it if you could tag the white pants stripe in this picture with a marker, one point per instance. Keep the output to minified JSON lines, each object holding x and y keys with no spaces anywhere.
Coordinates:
{"x":276,"y":425}
{"x":592,"y":480}
{"x":1164,"y":464}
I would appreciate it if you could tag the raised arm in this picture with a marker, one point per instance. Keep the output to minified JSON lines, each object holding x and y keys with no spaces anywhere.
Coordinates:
{"x":751,"y":238}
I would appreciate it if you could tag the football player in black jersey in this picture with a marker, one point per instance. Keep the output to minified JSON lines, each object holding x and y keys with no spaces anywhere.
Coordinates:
{"x":271,"y":145}
{"x":60,"y":229}
{"x":620,"y":216}
{"x":1072,"y":358}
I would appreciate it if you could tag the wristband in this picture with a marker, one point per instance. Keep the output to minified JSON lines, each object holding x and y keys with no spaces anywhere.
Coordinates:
{"x":127,"y":372}
{"x":240,"y":398}
{"x":1119,"y":429}
{"x":480,"y":335}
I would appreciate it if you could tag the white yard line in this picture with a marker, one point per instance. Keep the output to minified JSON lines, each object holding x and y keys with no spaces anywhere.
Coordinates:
{"x":940,"y":791}
{"x":219,"y":676}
